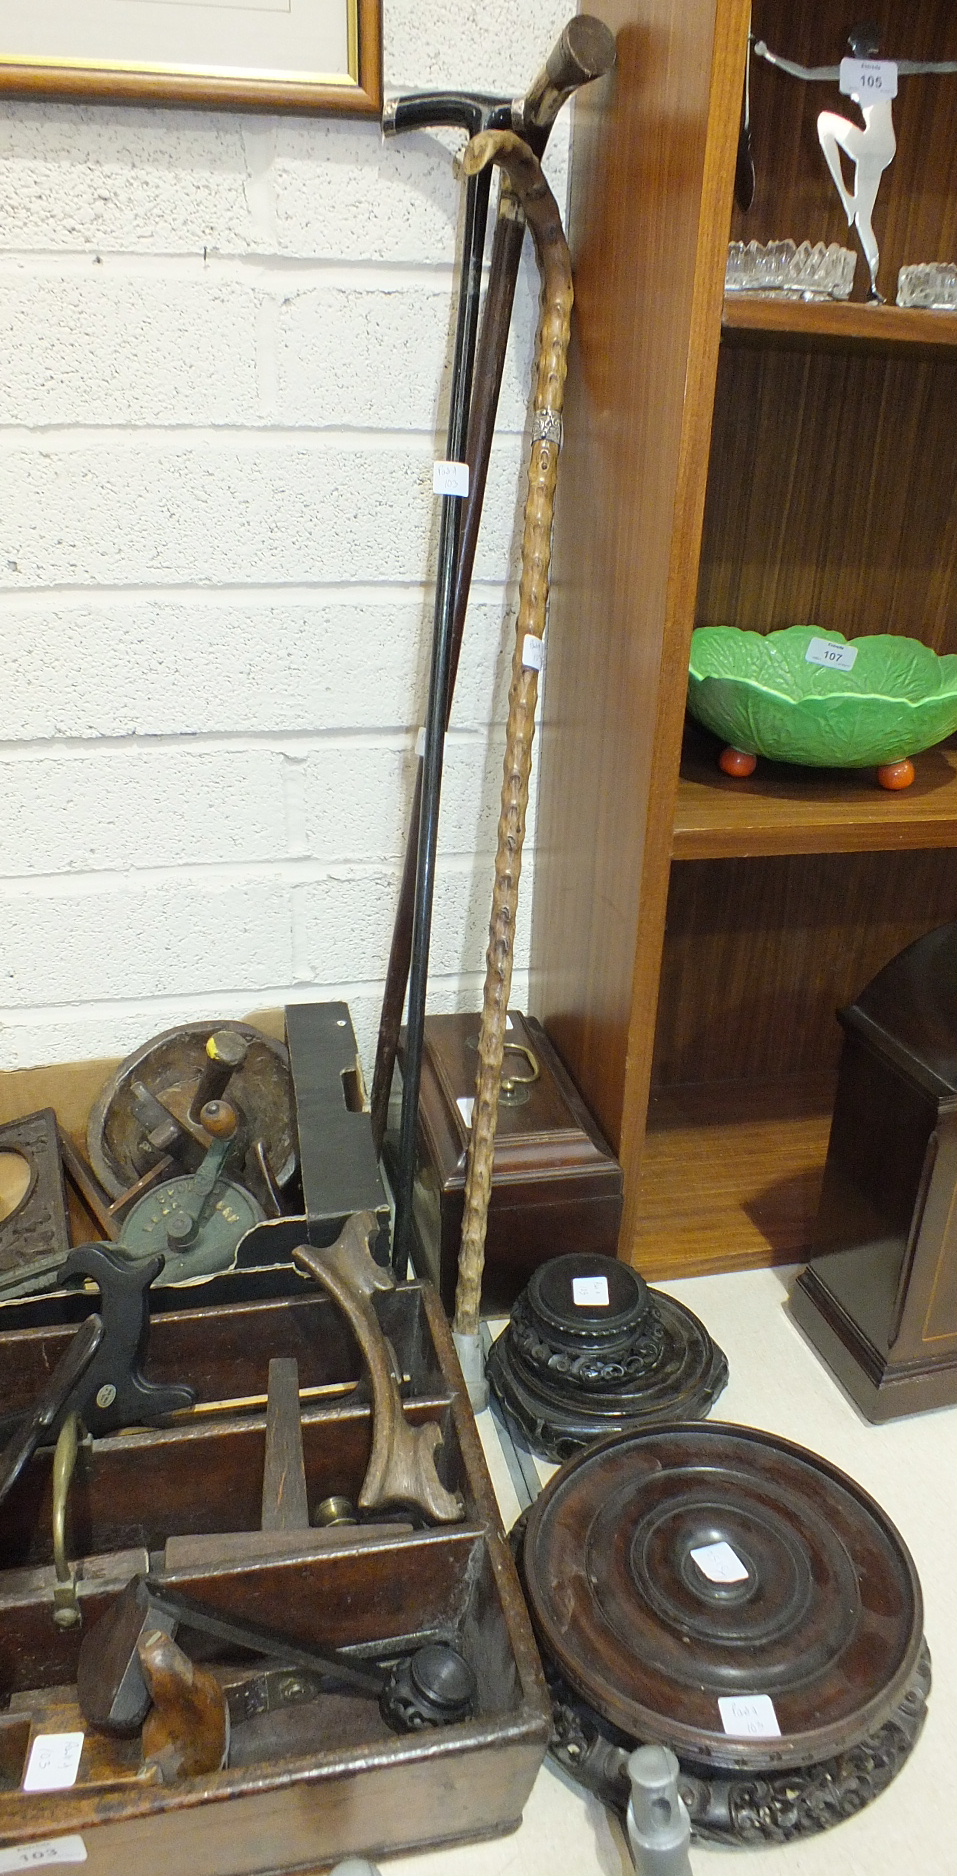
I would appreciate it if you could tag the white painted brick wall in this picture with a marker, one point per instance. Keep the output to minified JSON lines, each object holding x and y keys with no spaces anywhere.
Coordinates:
{"x":254,"y":664}
{"x":104,"y":349}
{"x":161,"y":808}
{"x":133,"y":508}
{"x":225,"y":344}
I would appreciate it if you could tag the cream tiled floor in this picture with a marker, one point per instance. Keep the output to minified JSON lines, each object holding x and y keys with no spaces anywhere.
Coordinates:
{"x":910,"y":1467}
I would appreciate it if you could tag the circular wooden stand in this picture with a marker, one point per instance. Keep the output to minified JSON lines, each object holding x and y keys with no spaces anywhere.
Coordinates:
{"x":568,"y":1370}
{"x":784,"y":1665}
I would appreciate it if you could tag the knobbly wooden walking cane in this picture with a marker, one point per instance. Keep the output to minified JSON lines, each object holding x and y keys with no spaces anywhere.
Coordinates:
{"x":541,"y":212}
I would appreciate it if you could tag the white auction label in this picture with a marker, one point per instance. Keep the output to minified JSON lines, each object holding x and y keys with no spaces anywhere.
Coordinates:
{"x":54,"y":1761}
{"x":450,"y":478}
{"x":835,"y":657}
{"x":533,"y":652}
{"x":590,"y":1292}
{"x":720,"y":1564}
{"x":465,"y":1104}
{"x":47,"y":1850}
{"x":867,"y":79}
{"x":749,"y":1716}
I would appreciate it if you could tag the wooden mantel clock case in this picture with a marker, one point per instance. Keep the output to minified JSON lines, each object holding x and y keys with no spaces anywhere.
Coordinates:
{"x":879,"y":1298}
{"x":747,"y":463}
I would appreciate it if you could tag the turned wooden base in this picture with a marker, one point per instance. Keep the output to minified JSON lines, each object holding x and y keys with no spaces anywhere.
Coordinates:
{"x":732,"y":1596}
{"x":567,"y":1373}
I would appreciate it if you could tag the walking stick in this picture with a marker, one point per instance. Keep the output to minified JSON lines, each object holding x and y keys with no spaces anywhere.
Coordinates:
{"x":584,"y":51}
{"x":541,"y":212}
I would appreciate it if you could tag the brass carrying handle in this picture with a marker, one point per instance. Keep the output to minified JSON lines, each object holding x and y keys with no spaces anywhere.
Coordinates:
{"x":66,"y":1607}
{"x":511,"y":1082}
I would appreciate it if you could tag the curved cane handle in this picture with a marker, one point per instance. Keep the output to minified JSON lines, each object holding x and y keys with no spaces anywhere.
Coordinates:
{"x":401,"y":1468}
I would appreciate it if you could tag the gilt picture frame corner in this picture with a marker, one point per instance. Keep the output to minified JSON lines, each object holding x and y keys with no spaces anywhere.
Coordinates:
{"x":305,"y":56}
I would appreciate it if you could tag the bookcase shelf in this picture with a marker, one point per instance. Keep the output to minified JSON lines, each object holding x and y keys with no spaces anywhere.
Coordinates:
{"x":845,"y":324}
{"x":733,"y":461}
{"x":730,"y":1177}
{"x":785,"y":809}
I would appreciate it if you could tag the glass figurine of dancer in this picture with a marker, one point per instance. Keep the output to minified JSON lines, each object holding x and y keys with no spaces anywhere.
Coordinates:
{"x":870,"y":146}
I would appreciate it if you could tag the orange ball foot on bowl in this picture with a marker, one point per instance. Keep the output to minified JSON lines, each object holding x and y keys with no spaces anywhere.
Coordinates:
{"x":896,"y":774}
{"x":738,"y":762}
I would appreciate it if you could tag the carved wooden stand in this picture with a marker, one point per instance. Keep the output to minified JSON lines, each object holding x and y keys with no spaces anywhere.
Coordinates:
{"x":566,"y":1371}
{"x":716,"y":1564}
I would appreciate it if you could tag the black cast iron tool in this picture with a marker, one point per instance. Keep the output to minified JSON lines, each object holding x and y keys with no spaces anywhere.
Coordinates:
{"x":434,"y":1685}
{"x":36,"y":1428}
{"x":115,"y":1391}
{"x":100,"y":1377}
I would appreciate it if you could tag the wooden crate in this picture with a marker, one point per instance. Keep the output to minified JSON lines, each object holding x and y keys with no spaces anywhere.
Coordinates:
{"x":364,"y":1789}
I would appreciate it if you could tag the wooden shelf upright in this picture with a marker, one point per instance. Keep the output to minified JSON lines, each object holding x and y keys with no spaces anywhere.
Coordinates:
{"x":735,"y":462}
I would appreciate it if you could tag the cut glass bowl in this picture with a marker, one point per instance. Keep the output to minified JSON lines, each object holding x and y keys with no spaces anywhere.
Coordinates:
{"x":932,"y":285}
{"x":781,"y":270}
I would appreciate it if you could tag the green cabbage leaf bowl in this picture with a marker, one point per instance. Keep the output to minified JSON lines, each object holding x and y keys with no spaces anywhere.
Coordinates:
{"x":762,"y":694}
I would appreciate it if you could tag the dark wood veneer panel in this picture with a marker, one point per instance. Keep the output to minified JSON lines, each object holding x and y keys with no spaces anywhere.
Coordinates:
{"x":832,"y":498}
{"x":759,"y":954}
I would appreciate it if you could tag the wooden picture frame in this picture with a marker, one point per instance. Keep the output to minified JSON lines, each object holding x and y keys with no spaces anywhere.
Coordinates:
{"x":271,"y":55}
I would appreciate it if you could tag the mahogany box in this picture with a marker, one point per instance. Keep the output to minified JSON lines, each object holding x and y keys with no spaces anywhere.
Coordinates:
{"x":879,"y":1298}
{"x":557,"y":1185}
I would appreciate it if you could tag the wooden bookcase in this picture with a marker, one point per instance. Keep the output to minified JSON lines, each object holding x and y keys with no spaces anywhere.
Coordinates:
{"x":747,"y":463}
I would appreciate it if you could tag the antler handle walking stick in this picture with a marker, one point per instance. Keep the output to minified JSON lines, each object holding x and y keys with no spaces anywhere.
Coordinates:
{"x":584,"y":51}
{"x":541,"y":212}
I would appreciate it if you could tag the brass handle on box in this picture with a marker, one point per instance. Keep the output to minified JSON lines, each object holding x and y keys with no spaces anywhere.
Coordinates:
{"x":512,"y":1085}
